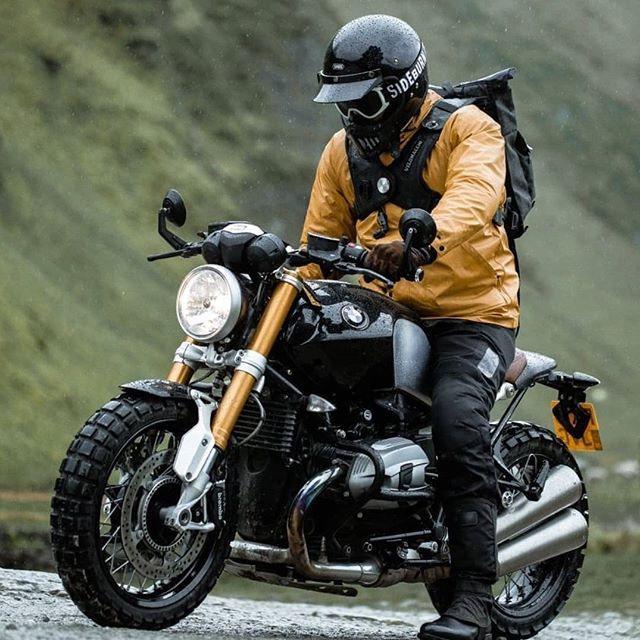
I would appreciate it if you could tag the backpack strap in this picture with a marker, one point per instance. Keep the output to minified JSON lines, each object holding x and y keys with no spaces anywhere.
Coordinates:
{"x":401,"y":182}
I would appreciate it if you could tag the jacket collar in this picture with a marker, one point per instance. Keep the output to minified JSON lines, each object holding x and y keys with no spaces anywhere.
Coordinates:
{"x":412,"y":126}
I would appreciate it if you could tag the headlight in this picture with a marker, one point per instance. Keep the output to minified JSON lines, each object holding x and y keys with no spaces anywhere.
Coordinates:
{"x":209,"y":303}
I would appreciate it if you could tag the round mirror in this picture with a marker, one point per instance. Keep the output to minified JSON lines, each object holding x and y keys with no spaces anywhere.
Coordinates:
{"x":174,"y":208}
{"x":422,"y":223}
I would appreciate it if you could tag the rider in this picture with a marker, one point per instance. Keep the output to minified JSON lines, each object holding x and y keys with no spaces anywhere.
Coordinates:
{"x":375,"y":72}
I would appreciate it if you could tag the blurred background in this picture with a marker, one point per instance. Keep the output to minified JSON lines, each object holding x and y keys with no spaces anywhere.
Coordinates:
{"x":106,"y":104}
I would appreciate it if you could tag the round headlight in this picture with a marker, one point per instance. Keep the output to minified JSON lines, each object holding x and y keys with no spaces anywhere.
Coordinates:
{"x":209,"y":303}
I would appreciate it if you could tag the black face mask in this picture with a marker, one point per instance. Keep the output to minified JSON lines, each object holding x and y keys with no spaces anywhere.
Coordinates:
{"x":373,"y":127}
{"x":372,"y":140}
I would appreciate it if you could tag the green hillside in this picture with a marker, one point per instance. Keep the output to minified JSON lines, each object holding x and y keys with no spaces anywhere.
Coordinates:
{"x":106,"y":104}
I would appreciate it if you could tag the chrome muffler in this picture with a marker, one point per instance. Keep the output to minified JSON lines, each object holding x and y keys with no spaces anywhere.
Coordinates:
{"x":562,"y":489}
{"x":529,"y":532}
{"x":562,"y":533}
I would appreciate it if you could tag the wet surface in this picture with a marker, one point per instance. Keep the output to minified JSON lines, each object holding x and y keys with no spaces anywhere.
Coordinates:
{"x":33,"y":605}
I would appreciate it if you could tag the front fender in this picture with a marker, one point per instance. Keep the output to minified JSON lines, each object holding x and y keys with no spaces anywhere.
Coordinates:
{"x":158,"y":388}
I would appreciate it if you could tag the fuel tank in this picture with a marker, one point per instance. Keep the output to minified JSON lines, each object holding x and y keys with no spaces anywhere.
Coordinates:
{"x":356,"y":338}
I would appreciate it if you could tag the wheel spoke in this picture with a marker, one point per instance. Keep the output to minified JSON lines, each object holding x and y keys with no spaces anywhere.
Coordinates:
{"x":122,"y":566}
{"x":113,"y":536}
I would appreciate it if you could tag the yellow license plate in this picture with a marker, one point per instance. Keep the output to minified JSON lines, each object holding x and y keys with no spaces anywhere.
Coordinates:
{"x":590,"y":440}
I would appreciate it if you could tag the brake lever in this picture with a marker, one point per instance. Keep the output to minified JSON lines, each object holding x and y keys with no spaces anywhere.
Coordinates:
{"x":361,"y":271}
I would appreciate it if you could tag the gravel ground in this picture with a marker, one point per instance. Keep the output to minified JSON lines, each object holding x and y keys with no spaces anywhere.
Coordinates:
{"x":33,"y":605}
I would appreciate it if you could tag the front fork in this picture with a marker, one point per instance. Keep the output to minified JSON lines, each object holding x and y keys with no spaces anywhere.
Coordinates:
{"x":203,"y":445}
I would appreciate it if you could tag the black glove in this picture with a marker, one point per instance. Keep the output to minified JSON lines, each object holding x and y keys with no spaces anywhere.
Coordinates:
{"x":387,"y":259}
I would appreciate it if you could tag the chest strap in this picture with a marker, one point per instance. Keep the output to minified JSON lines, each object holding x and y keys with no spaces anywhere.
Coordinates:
{"x":401,"y":183}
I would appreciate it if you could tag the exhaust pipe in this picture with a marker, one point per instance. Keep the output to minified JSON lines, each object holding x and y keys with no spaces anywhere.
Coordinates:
{"x":259,"y":552}
{"x":525,"y":534}
{"x":562,"y":489}
{"x":563,"y":533}
{"x":365,"y":573}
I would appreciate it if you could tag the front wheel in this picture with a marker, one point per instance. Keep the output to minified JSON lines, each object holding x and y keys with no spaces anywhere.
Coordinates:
{"x":527,"y":600}
{"x":118,"y":561}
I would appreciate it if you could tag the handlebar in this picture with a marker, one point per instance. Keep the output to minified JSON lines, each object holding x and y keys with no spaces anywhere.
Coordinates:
{"x":190,"y":249}
{"x":356,"y":255}
{"x":336,"y":255}
{"x":329,"y":253}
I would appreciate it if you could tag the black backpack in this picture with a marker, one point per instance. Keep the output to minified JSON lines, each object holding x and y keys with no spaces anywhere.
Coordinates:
{"x":493,"y":95}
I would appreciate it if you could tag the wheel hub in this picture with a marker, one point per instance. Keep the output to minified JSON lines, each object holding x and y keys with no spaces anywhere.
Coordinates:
{"x":164,"y":492}
{"x":155,"y":550}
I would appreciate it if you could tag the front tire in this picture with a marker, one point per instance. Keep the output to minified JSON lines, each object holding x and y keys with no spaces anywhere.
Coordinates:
{"x":117,"y":560}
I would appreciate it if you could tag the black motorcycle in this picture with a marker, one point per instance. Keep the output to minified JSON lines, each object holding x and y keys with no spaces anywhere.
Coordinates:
{"x":291,"y":444}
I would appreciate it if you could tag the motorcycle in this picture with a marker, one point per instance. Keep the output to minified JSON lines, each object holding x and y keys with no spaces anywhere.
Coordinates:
{"x":290,"y":443}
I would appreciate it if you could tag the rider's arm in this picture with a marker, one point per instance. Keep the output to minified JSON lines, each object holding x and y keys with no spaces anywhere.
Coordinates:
{"x":472,"y":166}
{"x":329,"y":213}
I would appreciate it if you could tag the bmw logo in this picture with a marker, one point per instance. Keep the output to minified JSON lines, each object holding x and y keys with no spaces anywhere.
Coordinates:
{"x":355,"y":317}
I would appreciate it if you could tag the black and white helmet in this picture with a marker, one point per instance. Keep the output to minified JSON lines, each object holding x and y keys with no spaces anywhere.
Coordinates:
{"x":375,"y":71}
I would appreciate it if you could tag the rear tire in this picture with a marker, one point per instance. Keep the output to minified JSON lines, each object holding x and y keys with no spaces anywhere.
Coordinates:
{"x":528,"y":600}
{"x":117,"y":560}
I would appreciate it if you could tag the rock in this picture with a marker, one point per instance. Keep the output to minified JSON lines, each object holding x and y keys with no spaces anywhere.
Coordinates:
{"x":629,"y":469}
{"x":595,"y":474}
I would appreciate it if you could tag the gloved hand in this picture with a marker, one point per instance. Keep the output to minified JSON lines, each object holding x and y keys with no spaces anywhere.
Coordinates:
{"x":386,"y":259}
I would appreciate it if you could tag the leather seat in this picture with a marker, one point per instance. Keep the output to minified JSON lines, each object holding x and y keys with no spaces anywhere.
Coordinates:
{"x":526,"y":367}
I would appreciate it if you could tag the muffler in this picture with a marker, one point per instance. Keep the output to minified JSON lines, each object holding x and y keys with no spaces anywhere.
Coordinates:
{"x":562,"y":533}
{"x":562,"y":489}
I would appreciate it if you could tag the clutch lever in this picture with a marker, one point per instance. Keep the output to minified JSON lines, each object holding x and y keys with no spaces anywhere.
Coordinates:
{"x":189,"y":249}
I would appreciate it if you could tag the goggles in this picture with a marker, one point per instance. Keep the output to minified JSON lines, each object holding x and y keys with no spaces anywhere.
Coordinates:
{"x":370,"y":107}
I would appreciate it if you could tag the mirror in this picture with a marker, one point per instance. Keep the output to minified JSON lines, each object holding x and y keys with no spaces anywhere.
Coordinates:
{"x":174,"y":208}
{"x":423,"y":226}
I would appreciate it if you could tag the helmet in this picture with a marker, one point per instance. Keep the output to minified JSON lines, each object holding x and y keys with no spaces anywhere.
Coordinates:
{"x":375,"y":71}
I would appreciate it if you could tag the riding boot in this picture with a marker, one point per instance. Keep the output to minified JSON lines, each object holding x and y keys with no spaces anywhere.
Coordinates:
{"x":472,"y":542}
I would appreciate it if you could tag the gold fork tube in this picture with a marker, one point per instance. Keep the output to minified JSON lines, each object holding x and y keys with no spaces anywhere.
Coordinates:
{"x":266,"y":333}
{"x":179,"y":371}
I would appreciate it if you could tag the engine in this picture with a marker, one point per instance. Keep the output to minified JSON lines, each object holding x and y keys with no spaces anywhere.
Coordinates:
{"x":403,"y":464}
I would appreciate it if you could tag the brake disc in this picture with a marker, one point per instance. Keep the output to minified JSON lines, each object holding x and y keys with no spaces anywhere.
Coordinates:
{"x":155,"y":550}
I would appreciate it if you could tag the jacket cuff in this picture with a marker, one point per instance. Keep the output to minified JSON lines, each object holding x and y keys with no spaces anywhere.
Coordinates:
{"x":424,"y":255}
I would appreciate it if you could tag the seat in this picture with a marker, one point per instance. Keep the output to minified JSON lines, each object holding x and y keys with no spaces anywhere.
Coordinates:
{"x":526,"y":367}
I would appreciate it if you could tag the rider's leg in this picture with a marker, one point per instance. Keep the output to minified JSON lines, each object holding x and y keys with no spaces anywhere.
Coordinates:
{"x":470,"y":360}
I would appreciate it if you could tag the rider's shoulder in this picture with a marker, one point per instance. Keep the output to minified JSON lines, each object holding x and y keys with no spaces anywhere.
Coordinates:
{"x":335,"y":150}
{"x":470,"y":119}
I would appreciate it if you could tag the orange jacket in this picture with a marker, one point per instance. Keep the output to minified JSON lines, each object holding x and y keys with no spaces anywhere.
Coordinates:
{"x":474,"y":276}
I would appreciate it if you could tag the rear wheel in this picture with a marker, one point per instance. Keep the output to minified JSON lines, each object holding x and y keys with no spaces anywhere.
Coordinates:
{"x":527,"y":600}
{"x":118,"y":561}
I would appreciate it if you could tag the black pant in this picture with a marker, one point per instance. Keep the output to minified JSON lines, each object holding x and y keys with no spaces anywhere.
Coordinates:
{"x":469,"y":361}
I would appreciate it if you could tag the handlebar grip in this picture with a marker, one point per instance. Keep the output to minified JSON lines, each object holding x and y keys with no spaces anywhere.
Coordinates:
{"x":354,"y":253}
